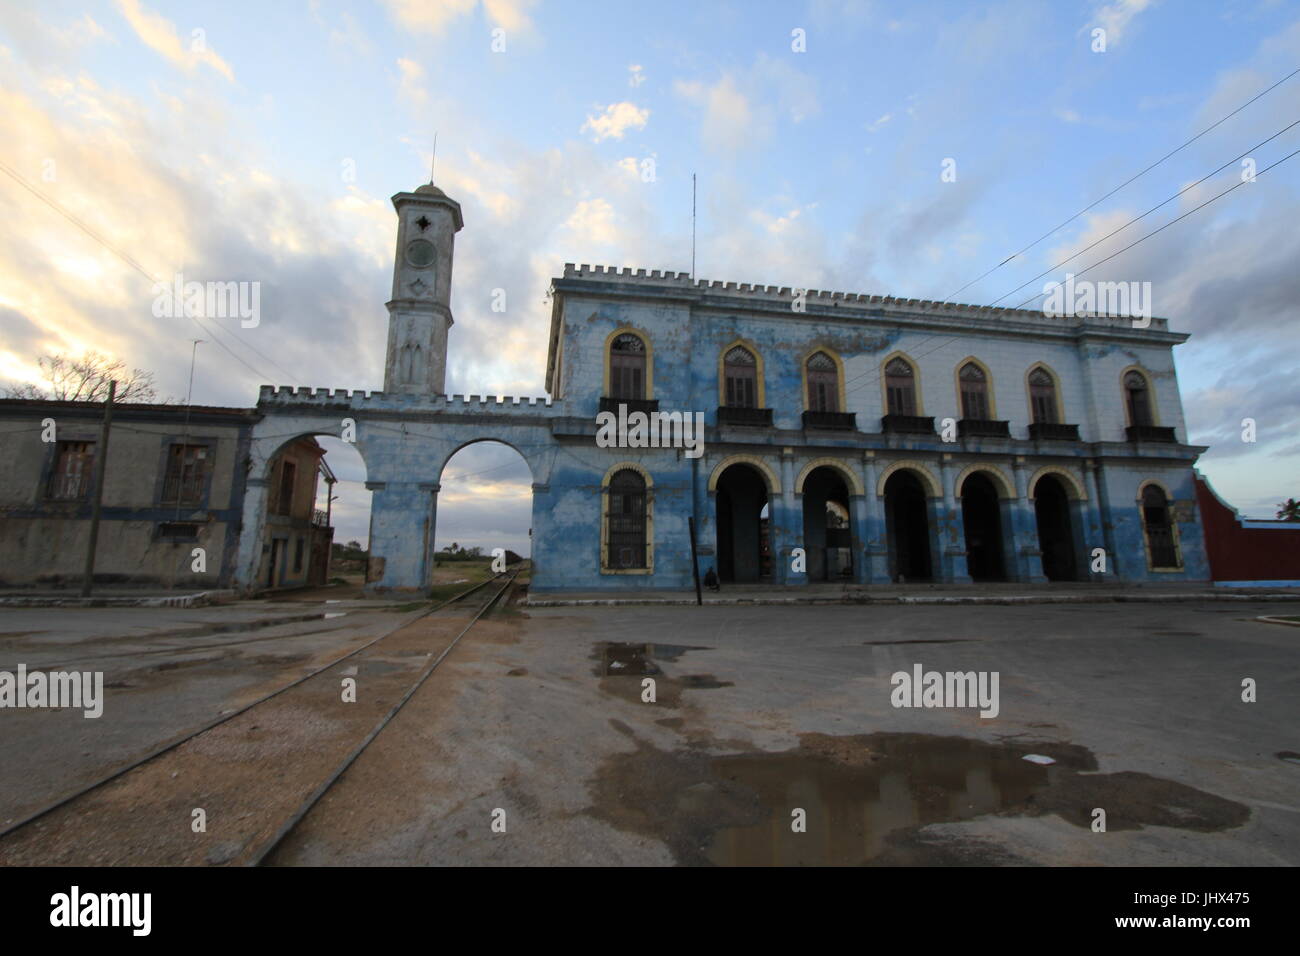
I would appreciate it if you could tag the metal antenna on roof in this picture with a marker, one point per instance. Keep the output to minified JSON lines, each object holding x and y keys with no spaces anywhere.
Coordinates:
{"x":433,"y":161}
{"x":692,"y":227}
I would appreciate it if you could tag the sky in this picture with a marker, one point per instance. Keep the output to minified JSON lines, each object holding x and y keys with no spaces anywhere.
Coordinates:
{"x":261,"y":143}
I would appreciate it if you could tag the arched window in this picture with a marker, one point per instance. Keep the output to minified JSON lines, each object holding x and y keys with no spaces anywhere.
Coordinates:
{"x":741,"y":370}
{"x":823,"y":383}
{"x":1042,"y":397}
{"x":1159,"y":529}
{"x":1138,"y":399}
{"x":626,"y":521}
{"x":900,"y":388}
{"x":974,"y":392}
{"x":627,"y":367}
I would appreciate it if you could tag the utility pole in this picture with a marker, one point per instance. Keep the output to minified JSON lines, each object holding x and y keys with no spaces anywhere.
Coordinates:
{"x":89,"y":573}
{"x":185,"y":440}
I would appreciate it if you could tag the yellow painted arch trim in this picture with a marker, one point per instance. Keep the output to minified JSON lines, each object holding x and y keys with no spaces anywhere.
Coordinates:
{"x":1006,"y":487}
{"x":916,"y":381}
{"x":649,"y":357}
{"x":839,"y":464}
{"x":753,"y":350}
{"x":839,"y":374}
{"x":1056,"y":392}
{"x":922,"y":470}
{"x":990,"y":389}
{"x":773,"y":481}
{"x":1151,"y":393}
{"x":1071,"y":482}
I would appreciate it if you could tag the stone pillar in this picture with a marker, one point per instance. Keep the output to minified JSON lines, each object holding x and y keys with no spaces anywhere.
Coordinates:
{"x":1030,"y":557}
{"x":791,"y":522}
{"x":1106,"y":516}
{"x":1093,"y":531}
{"x":858,"y":537}
{"x":952,"y":533}
{"x":875,"y":542}
{"x":542,"y":566}
{"x":251,"y":534}
{"x":401,"y":535}
{"x":703,"y":505}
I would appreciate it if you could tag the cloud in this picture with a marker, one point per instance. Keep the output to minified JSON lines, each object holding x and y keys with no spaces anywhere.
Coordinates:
{"x":872,"y":127}
{"x":615,"y":120}
{"x":435,"y":16}
{"x":742,"y":107}
{"x":411,"y":84}
{"x":158,"y":33}
{"x":1116,"y":17}
{"x":636,"y":76}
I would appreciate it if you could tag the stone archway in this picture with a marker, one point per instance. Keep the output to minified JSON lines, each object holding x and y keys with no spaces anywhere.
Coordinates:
{"x":743,"y":546}
{"x":907,"y":525}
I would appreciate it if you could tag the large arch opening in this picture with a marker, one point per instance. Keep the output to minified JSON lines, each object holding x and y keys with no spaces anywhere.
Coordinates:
{"x":827,"y":534}
{"x":485,"y":502}
{"x":741,"y":505}
{"x":907,"y":525}
{"x":1055,"y":529}
{"x":981,"y":514}
{"x":317,"y":519}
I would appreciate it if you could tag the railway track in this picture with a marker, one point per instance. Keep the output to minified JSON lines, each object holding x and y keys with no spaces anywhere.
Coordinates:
{"x":90,"y":821}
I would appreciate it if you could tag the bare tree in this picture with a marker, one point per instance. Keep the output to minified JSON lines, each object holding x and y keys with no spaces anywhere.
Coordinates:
{"x":86,"y":379}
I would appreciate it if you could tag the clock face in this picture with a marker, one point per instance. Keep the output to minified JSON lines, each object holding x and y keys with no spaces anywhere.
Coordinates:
{"x":419,"y":253}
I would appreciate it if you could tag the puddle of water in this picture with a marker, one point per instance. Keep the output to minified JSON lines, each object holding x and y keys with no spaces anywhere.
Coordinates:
{"x":867,"y":798}
{"x":1288,"y":756}
{"x":618,"y":659}
{"x":330,"y":614}
{"x":905,"y":780}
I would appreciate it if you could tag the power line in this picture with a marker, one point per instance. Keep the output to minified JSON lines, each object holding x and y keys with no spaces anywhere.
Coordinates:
{"x":1170,"y":223}
{"x":1145,"y":214}
{"x":876,"y":372}
{"x":1123,"y":184}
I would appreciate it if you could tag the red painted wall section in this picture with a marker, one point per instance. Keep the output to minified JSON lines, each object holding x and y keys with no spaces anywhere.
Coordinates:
{"x":1246,"y":554}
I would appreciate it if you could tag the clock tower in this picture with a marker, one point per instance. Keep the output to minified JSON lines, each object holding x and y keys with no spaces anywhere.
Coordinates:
{"x":419,"y":314}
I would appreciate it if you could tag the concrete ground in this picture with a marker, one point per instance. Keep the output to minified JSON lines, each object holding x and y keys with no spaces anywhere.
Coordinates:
{"x":532,"y":743}
{"x":165,"y":671}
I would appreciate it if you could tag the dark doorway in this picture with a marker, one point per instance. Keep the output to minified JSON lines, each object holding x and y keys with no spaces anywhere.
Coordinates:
{"x":827,"y":535}
{"x":982,"y":521}
{"x":273,"y":569}
{"x":1055,"y":535}
{"x":908,"y":527}
{"x":741,"y":498}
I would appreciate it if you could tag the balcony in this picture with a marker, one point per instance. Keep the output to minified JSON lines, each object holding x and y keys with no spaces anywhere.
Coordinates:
{"x":320,"y":518}
{"x":751,"y":417}
{"x":1051,"y":431}
{"x":982,"y":428}
{"x":646,"y":405}
{"x":831,"y":421}
{"x":907,"y":425}
{"x":1151,"y":433}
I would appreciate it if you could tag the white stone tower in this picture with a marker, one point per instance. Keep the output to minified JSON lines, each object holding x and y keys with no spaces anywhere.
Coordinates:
{"x":419,"y":315}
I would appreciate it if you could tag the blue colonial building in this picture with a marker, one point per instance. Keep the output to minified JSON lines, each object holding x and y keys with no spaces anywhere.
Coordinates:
{"x":848,"y":437}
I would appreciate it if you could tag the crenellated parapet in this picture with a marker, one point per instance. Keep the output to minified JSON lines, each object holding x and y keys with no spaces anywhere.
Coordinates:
{"x":283,"y":396}
{"x":680,"y":282}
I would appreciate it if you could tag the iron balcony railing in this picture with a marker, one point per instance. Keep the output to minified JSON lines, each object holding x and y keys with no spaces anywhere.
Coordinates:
{"x":1151,"y":433}
{"x":646,"y":405}
{"x":983,"y":428}
{"x":907,"y":424}
{"x":320,"y":518}
{"x":1052,"y":431}
{"x":831,"y":421}
{"x":733,"y":415}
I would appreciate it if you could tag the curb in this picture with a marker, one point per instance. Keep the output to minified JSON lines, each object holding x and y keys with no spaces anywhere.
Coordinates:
{"x":1011,"y":599}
